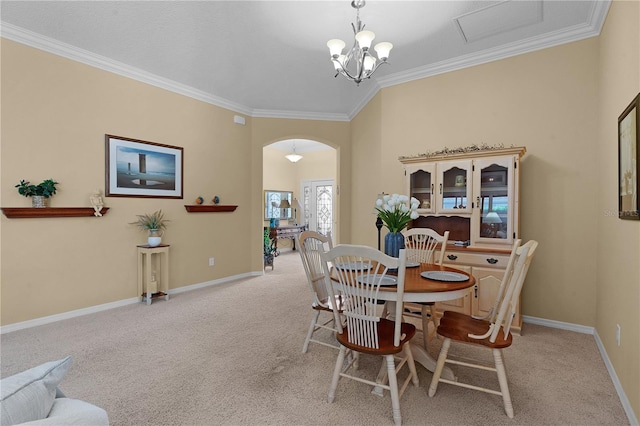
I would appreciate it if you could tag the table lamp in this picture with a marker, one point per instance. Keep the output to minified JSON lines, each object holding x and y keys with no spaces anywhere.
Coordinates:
{"x":494,"y":222}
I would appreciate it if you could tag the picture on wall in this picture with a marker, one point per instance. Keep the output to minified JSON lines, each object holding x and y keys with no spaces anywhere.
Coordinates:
{"x":628,"y":158}
{"x":136,"y":168}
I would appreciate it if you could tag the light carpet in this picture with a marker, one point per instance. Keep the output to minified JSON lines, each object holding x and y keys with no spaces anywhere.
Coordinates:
{"x":232,"y":355}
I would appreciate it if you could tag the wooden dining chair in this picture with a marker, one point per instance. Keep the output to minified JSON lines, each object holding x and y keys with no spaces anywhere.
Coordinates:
{"x":311,"y":244}
{"x":422,"y":247}
{"x":493,"y":332}
{"x":357,"y":273}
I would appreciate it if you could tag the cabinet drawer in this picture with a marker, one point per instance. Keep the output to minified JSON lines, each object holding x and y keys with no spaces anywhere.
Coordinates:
{"x":477,"y":259}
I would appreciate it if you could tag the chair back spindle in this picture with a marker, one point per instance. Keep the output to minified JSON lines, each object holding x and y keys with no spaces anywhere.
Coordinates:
{"x":357,"y":274}
{"x":421,"y":245}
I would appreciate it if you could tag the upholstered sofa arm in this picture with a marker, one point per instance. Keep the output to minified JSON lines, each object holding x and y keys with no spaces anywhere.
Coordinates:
{"x":71,"y":412}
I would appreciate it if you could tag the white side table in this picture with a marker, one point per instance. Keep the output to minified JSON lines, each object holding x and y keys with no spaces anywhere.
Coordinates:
{"x":153,"y":272}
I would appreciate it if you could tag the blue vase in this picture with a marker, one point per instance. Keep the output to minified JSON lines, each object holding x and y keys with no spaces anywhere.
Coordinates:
{"x":393,"y":242}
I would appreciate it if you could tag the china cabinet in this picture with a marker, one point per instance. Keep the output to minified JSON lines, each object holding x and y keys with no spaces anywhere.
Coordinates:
{"x":473,"y":195}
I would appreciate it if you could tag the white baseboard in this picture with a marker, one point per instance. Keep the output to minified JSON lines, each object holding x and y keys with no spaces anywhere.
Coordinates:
{"x":626,"y":405}
{"x":98,"y":308}
{"x":558,"y":324}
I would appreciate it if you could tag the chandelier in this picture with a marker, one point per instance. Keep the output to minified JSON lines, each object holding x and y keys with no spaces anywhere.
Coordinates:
{"x":365,"y":63}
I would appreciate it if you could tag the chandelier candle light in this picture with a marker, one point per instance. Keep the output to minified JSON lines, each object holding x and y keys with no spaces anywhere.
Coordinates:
{"x":396,"y":211}
{"x":365,"y":63}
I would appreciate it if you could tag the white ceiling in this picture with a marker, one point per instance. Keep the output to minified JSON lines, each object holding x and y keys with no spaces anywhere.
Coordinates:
{"x":269,"y":58}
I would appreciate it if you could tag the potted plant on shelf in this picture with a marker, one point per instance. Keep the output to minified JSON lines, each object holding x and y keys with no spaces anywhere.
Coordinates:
{"x":155,"y":224}
{"x":39,"y":193}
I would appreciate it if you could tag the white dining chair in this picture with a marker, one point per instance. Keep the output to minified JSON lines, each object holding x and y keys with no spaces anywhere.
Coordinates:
{"x":310,"y":245}
{"x":357,"y":273}
{"x":492,"y":332}
{"x":424,"y":245}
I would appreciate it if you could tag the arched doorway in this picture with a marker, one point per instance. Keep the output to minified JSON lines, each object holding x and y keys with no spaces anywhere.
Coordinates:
{"x":311,"y":179}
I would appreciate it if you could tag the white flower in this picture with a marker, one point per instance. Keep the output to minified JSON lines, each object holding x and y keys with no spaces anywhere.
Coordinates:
{"x":397,"y":210}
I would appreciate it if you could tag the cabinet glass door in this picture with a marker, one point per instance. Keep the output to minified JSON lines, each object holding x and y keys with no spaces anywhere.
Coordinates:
{"x":495,"y":199}
{"x":454,"y":187}
{"x":421,"y":186}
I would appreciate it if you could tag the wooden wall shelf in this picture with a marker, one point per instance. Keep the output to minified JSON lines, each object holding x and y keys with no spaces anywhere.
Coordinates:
{"x":31,"y":212}
{"x":199,"y":208}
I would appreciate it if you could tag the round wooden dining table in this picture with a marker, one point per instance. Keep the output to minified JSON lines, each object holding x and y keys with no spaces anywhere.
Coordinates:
{"x":420,"y":289}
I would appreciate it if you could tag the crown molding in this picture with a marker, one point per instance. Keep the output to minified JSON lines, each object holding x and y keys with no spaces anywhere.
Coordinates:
{"x":65,"y":50}
{"x":38,"y":41}
{"x":596,"y":20}
{"x":299,"y":115}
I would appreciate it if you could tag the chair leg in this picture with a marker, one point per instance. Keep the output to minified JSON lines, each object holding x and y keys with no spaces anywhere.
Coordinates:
{"x":502,"y":379}
{"x":439,"y":366}
{"x":393,"y":389}
{"x":336,"y":373}
{"x":312,"y":327}
{"x":411,"y":364}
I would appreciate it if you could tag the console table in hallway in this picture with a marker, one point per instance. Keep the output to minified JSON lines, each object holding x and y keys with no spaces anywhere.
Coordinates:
{"x":291,"y":232}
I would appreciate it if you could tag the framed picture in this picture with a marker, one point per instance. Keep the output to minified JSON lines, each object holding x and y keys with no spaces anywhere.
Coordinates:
{"x":136,"y":168}
{"x":628,"y":159}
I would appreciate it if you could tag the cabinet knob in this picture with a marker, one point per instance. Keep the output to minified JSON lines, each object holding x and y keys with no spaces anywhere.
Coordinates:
{"x":440,"y":189}
{"x":452,"y":257}
{"x":492,"y":261}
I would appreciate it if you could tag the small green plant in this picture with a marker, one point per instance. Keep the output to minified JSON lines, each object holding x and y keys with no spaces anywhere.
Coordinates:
{"x":45,"y":189}
{"x":269,"y":248}
{"x":155,"y":220}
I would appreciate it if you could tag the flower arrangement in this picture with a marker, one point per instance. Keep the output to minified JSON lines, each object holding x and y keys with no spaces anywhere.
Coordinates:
{"x":396,"y":211}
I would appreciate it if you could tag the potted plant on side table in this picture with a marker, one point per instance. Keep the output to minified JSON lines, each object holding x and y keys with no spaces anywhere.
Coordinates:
{"x":155,"y":224}
{"x":39,"y":193}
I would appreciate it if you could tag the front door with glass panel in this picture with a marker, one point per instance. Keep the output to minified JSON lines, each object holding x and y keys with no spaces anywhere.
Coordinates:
{"x":318,"y":205}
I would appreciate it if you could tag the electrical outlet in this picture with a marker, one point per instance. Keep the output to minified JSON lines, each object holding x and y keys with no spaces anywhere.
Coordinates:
{"x":618,"y":334}
{"x":212,"y":261}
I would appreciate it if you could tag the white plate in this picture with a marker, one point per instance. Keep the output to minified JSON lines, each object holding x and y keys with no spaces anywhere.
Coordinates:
{"x":444,"y":276}
{"x":353,"y":266}
{"x":413,"y":264}
{"x":373,"y":279}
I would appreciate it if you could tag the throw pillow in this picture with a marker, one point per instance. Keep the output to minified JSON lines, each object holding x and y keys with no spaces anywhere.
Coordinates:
{"x":29,"y":395}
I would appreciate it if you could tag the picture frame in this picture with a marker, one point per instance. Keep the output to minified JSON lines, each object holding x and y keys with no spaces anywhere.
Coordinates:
{"x":137,"y":168}
{"x":628,"y":159}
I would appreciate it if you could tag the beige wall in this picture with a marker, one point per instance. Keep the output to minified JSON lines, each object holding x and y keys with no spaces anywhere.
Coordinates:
{"x":55,"y":113}
{"x":618,"y":249}
{"x":368,"y":179}
{"x":542,"y":100}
